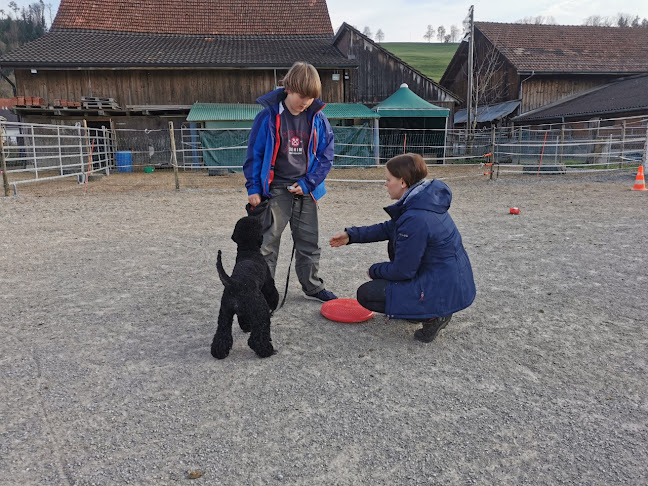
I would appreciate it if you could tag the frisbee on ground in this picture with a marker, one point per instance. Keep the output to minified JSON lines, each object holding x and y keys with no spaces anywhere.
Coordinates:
{"x":345,"y":310}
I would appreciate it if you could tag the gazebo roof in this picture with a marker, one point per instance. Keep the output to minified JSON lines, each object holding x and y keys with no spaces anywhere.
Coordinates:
{"x":404,"y":103}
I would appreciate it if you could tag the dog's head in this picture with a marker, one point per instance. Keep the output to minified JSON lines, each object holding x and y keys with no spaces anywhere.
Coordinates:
{"x":247,"y":233}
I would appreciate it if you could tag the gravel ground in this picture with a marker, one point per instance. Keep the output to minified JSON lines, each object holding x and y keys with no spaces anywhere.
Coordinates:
{"x":109,"y":306}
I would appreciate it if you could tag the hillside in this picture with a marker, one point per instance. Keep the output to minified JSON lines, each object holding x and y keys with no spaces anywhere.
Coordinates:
{"x":429,"y":58}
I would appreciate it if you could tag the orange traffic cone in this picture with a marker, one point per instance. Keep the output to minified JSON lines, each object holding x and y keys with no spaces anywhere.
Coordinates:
{"x":640,"y":183}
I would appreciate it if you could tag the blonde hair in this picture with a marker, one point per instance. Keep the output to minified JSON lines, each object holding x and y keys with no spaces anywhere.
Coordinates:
{"x":302,"y":78}
{"x":410,"y":167}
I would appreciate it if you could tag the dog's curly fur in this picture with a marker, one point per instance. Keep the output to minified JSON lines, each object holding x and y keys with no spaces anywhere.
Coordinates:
{"x":250,"y":293}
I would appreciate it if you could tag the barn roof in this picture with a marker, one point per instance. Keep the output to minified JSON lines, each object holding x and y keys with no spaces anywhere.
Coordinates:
{"x":184,"y":33}
{"x":202,"y":17}
{"x":625,"y":95}
{"x":569,"y":48}
{"x":59,"y":50}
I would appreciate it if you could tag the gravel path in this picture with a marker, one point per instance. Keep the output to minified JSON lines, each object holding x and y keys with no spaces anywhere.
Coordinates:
{"x":109,"y":305}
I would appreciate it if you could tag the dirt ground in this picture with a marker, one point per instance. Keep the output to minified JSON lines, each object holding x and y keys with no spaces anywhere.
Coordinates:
{"x":109,"y":303}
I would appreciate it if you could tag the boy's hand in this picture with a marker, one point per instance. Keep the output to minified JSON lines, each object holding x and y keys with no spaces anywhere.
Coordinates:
{"x":254,"y":199}
{"x":296,"y":189}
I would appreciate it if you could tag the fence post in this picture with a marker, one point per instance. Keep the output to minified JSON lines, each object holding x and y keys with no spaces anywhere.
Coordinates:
{"x":33,"y":137}
{"x":376,"y":139}
{"x":78,"y":127}
{"x":5,"y":179}
{"x":58,"y":143}
{"x":623,"y":137}
{"x":644,"y":156}
{"x":492,"y":151}
{"x":174,"y":157}
{"x":562,"y":143}
{"x":105,"y":148}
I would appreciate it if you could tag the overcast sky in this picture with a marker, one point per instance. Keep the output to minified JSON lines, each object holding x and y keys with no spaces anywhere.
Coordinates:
{"x":407,"y":20}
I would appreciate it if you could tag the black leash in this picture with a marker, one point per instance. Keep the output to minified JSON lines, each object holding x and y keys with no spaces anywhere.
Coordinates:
{"x":292,"y":255}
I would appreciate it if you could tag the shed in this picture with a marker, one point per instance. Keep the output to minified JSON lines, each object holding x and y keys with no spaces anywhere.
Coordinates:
{"x":405,"y":110}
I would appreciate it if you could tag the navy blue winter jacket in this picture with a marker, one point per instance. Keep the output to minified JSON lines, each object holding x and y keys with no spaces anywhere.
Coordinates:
{"x":264,"y":143}
{"x":429,"y":272}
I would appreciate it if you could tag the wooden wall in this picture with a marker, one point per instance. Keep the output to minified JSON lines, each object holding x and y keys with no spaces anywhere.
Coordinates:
{"x":163,"y":87}
{"x":380,"y":74}
{"x":541,"y":90}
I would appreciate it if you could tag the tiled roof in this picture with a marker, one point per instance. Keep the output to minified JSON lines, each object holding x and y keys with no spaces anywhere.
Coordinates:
{"x":61,"y":49}
{"x":203,"y":17}
{"x":622,"y":96}
{"x":570,"y":48}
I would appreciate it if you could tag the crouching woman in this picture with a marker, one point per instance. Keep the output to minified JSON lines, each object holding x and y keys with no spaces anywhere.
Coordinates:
{"x":428,"y":276}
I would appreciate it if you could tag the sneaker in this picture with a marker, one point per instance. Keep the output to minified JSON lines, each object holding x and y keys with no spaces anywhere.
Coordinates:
{"x":323,"y":296}
{"x":431,"y":328}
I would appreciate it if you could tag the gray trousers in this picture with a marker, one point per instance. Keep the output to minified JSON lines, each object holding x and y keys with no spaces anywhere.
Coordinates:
{"x":301,"y":213}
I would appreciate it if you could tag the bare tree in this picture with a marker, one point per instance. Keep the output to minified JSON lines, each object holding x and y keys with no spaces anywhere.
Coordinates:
{"x":441,"y":32}
{"x":367,"y":32}
{"x":429,"y":33}
{"x":446,"y":38}
{"x":380,"y":35}
{"x":598,"y":21}
{"x":454,"y":33}
{"x":487,"y":86}
{"x":538,"y":20}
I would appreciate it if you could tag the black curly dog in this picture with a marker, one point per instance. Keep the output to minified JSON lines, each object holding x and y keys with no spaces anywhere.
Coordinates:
{"x":250,"y":293}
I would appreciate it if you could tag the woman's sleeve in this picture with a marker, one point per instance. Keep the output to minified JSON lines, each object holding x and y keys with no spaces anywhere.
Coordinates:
{"x":370,"y":234}
{"x":409,"y":248}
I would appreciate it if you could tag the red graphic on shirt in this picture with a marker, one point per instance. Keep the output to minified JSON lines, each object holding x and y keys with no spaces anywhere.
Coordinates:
{"x":295,"y":142}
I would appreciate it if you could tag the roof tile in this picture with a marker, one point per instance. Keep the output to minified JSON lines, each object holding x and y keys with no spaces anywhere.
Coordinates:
{"x":570,"y":48}
{"x":207,"y":17}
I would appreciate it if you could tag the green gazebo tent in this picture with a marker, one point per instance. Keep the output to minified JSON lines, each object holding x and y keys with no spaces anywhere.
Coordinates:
{"x":408,"y":123}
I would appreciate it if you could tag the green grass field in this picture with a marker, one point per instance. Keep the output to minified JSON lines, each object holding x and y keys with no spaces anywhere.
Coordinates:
{"x":429,"y":58}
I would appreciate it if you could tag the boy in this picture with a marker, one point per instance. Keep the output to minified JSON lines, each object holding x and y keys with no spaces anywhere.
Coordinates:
{"x":290,"y":152}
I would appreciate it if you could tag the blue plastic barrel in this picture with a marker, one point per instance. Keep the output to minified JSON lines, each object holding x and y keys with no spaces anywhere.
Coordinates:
{"x":124,"y":160}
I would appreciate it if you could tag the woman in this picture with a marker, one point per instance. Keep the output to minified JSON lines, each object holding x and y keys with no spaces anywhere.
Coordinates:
{"x":428,"y":276}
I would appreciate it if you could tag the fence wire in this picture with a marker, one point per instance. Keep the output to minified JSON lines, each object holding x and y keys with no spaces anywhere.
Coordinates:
{"x":37,"y":152}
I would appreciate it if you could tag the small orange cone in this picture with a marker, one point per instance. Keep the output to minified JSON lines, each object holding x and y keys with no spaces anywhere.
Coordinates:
{"x":640,"y":182}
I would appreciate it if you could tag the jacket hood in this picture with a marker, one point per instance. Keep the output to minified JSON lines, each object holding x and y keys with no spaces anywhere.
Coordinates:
{"x":428,"y":195}
{"x":273,"y":98}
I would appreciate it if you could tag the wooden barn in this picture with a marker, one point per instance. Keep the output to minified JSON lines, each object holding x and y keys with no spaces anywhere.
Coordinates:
{"x":143,"y":63}
{"x":380,"y":73}
{"x":540,"y":64}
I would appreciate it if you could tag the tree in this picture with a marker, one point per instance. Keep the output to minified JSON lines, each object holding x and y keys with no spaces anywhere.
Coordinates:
{"x":623,"y":20}
{"x":454,"y":33}
{"x":488,"y":85}
{"x":380,"y":35}
{"x":367,"y":32}
{"x":446,"y":38}
{"x":538,"y":20}
{"x":441,"y":32}
{"x":598,"y":21}
{"x":429,"y":33}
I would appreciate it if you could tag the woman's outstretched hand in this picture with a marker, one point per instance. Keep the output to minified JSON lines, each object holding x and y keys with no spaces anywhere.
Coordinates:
{"x":340,"y":239}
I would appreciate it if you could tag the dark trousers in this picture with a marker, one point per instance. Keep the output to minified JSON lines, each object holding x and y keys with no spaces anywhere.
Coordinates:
{"x":372,"y":295}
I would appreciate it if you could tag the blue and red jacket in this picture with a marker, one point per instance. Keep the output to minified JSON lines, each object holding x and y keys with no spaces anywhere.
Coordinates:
{"x":263,"y":146}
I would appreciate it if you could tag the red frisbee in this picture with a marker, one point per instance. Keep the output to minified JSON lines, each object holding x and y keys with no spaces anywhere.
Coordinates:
{"x":345,"y":310}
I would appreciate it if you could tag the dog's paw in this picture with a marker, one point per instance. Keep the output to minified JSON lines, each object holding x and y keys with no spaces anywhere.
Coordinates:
{"x":265,"y":351}
{"x":220,"y":350}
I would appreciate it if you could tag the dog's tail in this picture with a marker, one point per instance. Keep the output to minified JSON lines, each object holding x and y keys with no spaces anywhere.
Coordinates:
{"x":226,"y":279}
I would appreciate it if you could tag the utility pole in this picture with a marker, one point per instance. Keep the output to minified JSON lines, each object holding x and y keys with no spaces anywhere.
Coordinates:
{"x":469,"y":90}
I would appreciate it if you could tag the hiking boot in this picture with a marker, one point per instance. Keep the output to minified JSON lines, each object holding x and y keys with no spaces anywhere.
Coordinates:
{"x":431,"y":328}
{"x":323,"y":296}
